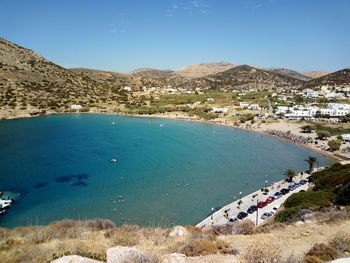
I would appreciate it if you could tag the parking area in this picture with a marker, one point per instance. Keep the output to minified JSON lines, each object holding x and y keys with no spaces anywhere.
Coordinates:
{"x":233,"y":211}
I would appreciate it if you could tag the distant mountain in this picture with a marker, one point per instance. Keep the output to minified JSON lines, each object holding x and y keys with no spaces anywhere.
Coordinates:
{"x":204,"y":69}
{"x":315,"y":74}
{"x":289,"y":73}
{"x":247,"y":77}
{"x":338,"y":78}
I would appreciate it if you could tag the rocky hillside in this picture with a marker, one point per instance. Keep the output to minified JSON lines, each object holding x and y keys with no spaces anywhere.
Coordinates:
{"x":31,"y":83}
{"x":338,"y":78}
{"x":289,"y":73}
{"x":204,"y":69}
{"x":247,"y":77}
{"x":315,"y":74}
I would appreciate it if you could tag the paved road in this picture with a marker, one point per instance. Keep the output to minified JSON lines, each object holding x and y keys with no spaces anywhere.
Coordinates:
{"x":218,"y":218}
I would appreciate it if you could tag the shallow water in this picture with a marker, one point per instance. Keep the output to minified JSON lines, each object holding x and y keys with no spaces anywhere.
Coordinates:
{"x":167,"y":170}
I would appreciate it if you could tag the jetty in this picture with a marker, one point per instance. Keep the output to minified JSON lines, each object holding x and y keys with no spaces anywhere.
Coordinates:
{"x":242,"y":204}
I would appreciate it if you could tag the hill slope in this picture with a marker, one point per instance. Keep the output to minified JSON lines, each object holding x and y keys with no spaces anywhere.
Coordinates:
{"x":31,"y":83}
{"x":204,"y":69}
{"x":289,"y":73}
{"x":338,"y":78}
{"x":247,"y":77}
{"x":315,"y":74}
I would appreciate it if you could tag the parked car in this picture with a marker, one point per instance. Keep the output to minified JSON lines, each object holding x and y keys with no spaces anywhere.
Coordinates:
{"x":265,"y":215}
{"x":262,"y":204}
{"x":233,"y":219}
{"x":303,"y":182}
{"x":278,"y":195}
{"x":284,"y":191}
{"x":252,"y":209}
{"x":301,"y":191}
{"x":242,"y":215}
{"x":270,"y":199}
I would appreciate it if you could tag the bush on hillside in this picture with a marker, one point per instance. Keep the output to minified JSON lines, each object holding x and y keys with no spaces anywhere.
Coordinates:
{"x":323,"y":252}
{"x":263,"y":252}
{"x":286,"y":214}
{"x":199,"y":247}
{"x":341,"y":242}
{"x":309,"y":199}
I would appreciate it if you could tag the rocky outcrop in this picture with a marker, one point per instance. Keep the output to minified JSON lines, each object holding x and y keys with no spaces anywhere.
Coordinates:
{"x":178,"y":231}
{"x":75,"y":259}
{"x":128,"y":254}
{"x":173,"y":258}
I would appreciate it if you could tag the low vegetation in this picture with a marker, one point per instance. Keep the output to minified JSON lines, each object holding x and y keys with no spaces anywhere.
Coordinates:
{"x":331,"y":187}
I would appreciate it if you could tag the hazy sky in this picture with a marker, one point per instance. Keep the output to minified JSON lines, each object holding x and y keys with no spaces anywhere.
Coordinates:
{"x":123,"y":35}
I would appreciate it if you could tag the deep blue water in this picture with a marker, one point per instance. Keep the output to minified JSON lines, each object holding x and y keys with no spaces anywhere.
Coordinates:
{"x":167,"y":170}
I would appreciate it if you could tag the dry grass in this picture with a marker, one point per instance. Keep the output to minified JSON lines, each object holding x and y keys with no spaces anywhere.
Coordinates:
{"x":263,"y":252}
{"x":199,"y":247}
{"x":323,"y":252}
{"x":92,"y":239}
{"x":341,"y":242}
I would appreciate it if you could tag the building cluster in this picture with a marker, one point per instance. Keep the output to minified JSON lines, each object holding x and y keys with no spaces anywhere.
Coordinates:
{"x":250,"y":106}
{"x":329,"y":92}
{"x":298,"y":112}
{"x":168,"y":90}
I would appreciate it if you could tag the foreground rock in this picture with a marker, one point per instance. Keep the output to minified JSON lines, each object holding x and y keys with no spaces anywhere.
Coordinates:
{"x":128,"y":254}
{"x":178,"y":231}
{"x":75,"y":259}
{"x":173,"y":258}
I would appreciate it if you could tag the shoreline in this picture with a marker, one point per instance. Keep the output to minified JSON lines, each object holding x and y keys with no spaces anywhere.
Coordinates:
{"x":189,"y":119}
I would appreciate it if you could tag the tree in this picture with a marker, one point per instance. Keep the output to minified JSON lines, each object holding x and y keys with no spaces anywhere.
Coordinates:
{"x":290,"y":173}
{"x":334,"y":144}
{"x":323,"y":134}
{"x":307,"y":128}
{"x":311,"y":162}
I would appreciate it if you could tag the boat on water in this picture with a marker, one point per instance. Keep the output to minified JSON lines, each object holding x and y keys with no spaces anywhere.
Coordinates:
{"x":4,"y":204}
{"x":2,"y":212}
{"x":113,"y":160}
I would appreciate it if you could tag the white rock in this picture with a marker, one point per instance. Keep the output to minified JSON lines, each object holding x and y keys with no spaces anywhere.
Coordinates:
{"x":75,"y":259}
{"x":127,"y":254}
{"x":178,"y":231}
{"x":173,"y":258}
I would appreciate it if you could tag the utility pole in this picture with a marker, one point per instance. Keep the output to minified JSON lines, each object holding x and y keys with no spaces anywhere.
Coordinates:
{"x":257,"y":213}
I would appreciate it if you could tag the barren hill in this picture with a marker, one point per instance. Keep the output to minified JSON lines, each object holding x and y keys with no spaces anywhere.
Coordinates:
{"x":315,"y":74}
{"x":204,"y":69}
{"x":338,"y":78}
{"x":289,"y":73}
{"x":30,"y":83}
{"x":247,"y":77}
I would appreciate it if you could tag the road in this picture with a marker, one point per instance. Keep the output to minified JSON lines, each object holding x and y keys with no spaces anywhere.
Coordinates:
{"x":218,"y":218}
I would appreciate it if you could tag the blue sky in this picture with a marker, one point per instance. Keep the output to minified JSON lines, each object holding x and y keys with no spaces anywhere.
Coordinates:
{"x":123,"y":35}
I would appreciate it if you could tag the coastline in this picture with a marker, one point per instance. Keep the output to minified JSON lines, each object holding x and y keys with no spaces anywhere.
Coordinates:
{"x":191,"y":119}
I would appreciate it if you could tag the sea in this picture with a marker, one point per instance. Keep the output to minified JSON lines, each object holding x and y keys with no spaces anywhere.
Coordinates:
{"x":166,"y":172}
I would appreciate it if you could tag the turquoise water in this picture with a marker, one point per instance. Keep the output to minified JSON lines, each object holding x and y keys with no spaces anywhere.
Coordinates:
{"x":167,"y":170}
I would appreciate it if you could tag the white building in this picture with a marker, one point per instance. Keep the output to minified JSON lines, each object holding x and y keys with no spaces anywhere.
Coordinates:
{"x":210,"y":99}
{"x":75,"y":107}
{"x":219,"y":110}
{"x":127,"y":89}
{"x":244,"y":104}
{"x":254,"y":107}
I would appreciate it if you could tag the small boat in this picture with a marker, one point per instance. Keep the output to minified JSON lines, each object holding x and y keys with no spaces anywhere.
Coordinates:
{"x":113,"y":160}
{"x":161,"y":125}
{"x":113,"y":122}
{"x":2,"y":212}
{"x":4,"y":205}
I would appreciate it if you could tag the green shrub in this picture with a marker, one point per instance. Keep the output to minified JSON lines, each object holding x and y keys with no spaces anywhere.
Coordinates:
{"x":286,"y":214}
{"x":309,"y":199}
{"x":343,"y":195}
